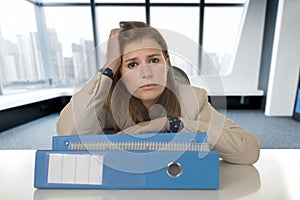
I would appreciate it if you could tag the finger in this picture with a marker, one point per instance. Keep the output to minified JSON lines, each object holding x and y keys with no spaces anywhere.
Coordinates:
{"x":120,"y":132}
{"x":130,"y":130}
{"x":115,"y":31}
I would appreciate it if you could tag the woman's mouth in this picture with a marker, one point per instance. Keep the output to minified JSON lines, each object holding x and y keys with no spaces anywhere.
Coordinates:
{"x":148,"y":86}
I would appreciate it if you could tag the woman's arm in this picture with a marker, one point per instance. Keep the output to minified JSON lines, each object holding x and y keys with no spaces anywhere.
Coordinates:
{"x":85,"y":113}
{"x":235,"y":144}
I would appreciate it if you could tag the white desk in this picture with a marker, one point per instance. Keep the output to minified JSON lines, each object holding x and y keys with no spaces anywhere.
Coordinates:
{"x":275,"y":176}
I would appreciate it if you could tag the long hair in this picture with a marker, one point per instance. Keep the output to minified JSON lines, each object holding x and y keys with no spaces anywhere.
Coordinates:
{"x":133,"y":31}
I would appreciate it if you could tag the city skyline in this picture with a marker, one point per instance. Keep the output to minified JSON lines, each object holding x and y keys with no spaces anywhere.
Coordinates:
{"x":22,"y":60}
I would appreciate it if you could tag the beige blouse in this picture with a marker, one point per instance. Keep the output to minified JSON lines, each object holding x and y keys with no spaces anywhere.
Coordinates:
{"x":86,"y":114}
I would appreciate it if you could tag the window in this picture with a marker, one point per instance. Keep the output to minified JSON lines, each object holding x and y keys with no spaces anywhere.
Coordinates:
{"x":225,"y":2}
{"x":174,"y":1}
{"x":70,"y":42}
{"x":120,"y":1}
{"x":109,"y":17}
{"x":179,"y":19}
{"x":52,"y":43}
{"x":182,"y":29}
{"x":21,"y":66}
{"x":221,"y":28}
{"x":65,"y":1}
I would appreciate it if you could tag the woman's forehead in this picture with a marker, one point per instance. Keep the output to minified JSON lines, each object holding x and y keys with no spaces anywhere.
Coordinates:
{"x":142,"y":53}
{"x":142,"y":45}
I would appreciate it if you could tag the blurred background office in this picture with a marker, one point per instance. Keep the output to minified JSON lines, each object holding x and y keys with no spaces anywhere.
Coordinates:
{"x":48,"y":49}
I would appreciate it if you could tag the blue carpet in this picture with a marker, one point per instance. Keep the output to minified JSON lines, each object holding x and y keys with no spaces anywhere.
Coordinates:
{"x":273,"y":132}
{"x":36,"y":134}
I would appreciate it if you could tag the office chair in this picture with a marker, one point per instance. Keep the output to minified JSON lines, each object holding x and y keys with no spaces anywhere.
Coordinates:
{"x":183,"y":78}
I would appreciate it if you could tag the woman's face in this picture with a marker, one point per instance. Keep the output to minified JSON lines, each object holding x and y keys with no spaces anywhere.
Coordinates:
{"x":144,"y":70}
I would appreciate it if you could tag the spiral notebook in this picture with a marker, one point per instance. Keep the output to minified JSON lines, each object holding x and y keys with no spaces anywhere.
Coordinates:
{"x":128,"y":161}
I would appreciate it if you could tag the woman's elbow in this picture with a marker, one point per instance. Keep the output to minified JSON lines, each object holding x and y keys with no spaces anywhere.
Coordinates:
{"x":251,"y":156}
{"x":65,"y":127}
{"x":254,"y":153}
{"x":247,"y":155}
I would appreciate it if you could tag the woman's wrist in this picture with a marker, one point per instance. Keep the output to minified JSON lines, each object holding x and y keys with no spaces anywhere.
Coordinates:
{"x":107,"y":72}
{"x":175,"y":124}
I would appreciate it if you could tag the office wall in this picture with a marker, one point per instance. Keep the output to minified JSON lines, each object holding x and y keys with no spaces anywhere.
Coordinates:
{"x":285,"y":61}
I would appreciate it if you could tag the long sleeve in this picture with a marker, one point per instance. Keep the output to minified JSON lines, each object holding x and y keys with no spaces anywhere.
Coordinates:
{"x":85,"y":113}
{"x":235,"y":144}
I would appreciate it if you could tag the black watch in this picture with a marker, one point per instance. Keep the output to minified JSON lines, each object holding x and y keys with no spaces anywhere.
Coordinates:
{"x":107,"y":72}
{"x":176,"y":124}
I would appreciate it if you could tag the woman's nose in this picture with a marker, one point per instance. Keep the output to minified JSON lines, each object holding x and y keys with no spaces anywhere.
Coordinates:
{"x":146,"y":72}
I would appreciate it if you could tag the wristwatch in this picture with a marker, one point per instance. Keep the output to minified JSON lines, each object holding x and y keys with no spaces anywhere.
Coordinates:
{"x":107,"y":72}
{"x":176,"y":124}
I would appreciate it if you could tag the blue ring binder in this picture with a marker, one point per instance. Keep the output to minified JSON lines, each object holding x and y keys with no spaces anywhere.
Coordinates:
{"x":91,"y":164}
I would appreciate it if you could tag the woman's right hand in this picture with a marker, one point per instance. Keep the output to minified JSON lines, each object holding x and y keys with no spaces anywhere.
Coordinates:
{"x":113,"y":54}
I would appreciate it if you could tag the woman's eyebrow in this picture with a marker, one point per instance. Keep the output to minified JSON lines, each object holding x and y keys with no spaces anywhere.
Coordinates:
{"x":131,"y":59}
{"x":148,"y":56}
{"x":152,"y":55}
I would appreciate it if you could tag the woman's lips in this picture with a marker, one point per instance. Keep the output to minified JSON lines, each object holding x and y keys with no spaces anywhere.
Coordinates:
{"x":148,"y":86}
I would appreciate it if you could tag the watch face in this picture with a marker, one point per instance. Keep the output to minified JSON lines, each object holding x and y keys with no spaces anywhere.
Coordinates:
{"x":108,"y":72}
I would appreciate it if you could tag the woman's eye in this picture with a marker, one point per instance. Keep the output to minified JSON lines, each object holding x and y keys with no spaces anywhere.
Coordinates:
{"x":154,"y":60}
{"x":132,"y":65}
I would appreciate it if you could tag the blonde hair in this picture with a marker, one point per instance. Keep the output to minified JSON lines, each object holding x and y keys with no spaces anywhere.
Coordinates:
{"x":133,"y":31}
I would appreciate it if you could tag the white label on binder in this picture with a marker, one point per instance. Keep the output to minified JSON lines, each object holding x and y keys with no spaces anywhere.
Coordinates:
{"x":68,"y":168}
{"x":54,"y":168}
{"x":82,"y":170}
{"x":75,"y":169}
{"x":96,"y":169}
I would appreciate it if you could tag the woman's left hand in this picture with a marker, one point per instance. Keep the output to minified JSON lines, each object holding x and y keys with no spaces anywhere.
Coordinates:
{"x":153,"y":126}
{"x":113,"y":54}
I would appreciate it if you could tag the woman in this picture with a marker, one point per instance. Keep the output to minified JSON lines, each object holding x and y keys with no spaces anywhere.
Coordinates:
{"x":136,"y":92}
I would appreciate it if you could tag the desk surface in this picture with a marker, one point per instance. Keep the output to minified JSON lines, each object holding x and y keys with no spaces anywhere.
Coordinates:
{"x":275,"y":176}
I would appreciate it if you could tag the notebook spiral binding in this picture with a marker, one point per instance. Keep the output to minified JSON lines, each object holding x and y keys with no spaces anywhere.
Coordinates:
{"x":133,"y":145}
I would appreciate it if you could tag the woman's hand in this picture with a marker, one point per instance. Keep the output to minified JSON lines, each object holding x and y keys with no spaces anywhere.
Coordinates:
{"x":153,"y":126}
{"x":113,"y":54}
